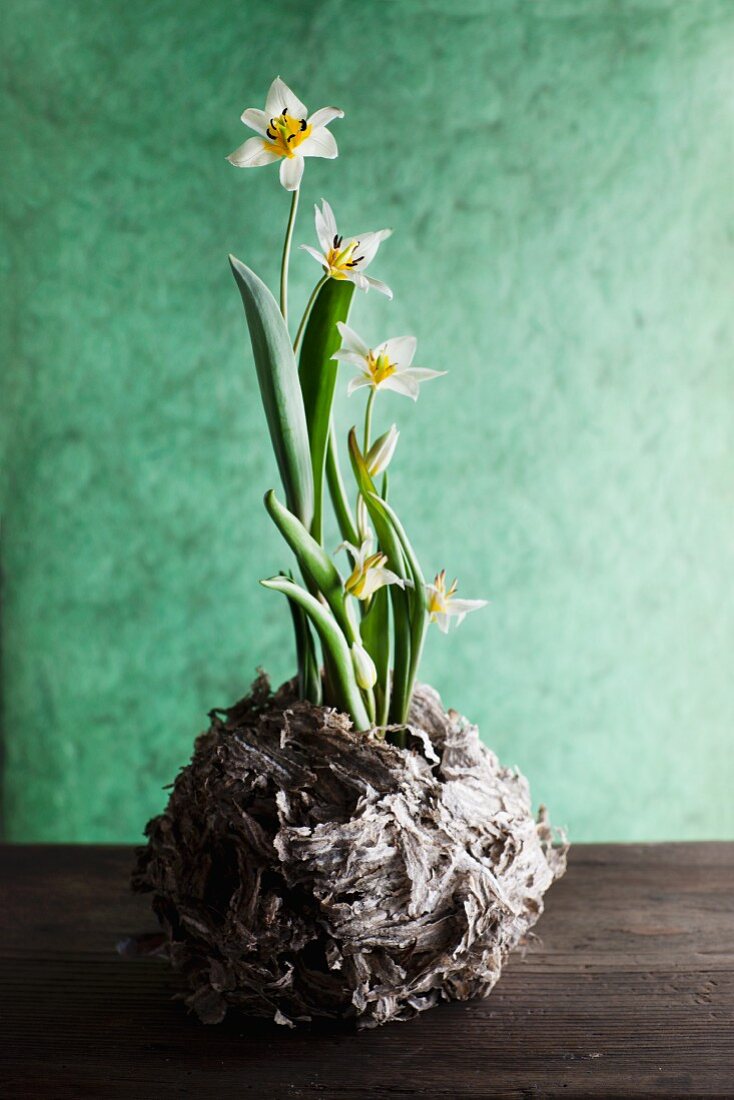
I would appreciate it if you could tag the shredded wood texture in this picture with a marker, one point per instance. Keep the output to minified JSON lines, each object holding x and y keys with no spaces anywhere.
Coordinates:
{"x":303,"y":870}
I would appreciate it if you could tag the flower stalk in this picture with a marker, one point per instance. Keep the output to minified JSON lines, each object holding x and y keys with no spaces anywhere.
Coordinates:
{"x":285,"y":262}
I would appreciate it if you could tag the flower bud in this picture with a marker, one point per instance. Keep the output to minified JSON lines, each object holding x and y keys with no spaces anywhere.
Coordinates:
{"x":363,"y":522}
{"x":364,"y":667}
{"x":379,"y":455}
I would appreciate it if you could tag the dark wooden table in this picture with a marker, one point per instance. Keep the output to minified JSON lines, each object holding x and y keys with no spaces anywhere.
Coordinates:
{"x":630,"y":991}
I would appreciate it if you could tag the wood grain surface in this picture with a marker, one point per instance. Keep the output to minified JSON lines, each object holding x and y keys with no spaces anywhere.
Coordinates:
{"x":628,"y":991}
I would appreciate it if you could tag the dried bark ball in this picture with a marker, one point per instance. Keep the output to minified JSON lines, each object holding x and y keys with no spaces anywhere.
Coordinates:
{"x":304,"y":870}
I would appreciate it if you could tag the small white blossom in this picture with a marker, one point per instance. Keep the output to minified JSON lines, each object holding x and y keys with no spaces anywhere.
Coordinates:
{"x":443,"y":607}
{"x":386,"y":367}
{"x":287,"y":133}
{"x":369,"y":571}
{"x":346,"y":257}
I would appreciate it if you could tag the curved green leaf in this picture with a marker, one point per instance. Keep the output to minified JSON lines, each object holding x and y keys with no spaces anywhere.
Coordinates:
{"x":416,"y":596}
{"x":318,"y":569}
{"x":317,"y":373}
{"x":346,"y":691}
{"x":309,"y":679}
{"x":279,"y":388}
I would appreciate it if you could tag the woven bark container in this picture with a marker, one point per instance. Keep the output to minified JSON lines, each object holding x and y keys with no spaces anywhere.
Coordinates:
{"x":302,"y":870}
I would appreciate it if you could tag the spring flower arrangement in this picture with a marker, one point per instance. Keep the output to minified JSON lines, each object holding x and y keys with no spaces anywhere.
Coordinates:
{"x":344,"y":847}
{"x":370,"y":622}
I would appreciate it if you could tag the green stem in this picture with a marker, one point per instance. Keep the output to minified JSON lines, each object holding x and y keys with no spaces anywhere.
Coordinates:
{"x":307,"y":312}
{"x":368,"y":420}
{"x":287,"y":256}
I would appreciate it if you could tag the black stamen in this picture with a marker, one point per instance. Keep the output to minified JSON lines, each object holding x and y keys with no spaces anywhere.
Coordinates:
{"x":359,"y":259}
{"x":303,"y":124}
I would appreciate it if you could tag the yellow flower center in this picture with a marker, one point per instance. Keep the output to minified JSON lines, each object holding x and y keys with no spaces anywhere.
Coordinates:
{"x":286,"y":133}
{"x":380,"y":367}
{"x":356,"y":582}
{"x":440,"y":596}
{"x":340,"y":258}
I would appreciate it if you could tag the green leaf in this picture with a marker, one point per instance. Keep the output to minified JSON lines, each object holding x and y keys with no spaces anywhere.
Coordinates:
{"x":319,"y":571}
{"x":338,"y":493}
{"x":416,"y":595}
{"x":346,"y":691}
{"x":318,"y":372}
{"x":309,"y":680}
{"x":279,"y":388}
{"x":381,"y":505}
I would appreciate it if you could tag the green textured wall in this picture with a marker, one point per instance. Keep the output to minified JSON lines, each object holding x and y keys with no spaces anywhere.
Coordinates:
{"x":559,"y":176}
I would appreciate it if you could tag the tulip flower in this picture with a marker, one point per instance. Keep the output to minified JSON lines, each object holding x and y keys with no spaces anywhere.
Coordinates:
{"x":286,"y":133}
{"x":369,"y":571}
{"x":380,"y":453}
{"x":346,"y":257}
{"x":386,"y":367}
{"x":443,"y":607}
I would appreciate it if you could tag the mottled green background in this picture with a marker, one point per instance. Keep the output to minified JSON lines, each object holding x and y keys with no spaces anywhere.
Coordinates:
{"x":559,"y":177}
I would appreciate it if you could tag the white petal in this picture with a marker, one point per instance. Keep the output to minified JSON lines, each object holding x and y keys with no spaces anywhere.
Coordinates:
{"x":357,"y":384}
{"x":252,"y":154}
{"x":325,"y":225}
{"x":358,"y":279}
{"x":365,"y":546}
{"x":378,"y":578}
{"x":400,"y":350}
{"x":291,"y":170}
{"x":443,"y":621}
{"x":352,"y":341}
{"x":463,"y":607}
{"x":281,"y":98}
{"x":348,"y":546}
{"x":423,"y":374}
{"x":353,"y":358}
{"x":320,"y":143}
{"x":388,"y":577}
{"x":400,"y":384}
{"x":320,"y":259}
{"x":377,"y":285}
{"x":368,"y":245}
{"x":256,"y":120}
{"x":324,"y":116}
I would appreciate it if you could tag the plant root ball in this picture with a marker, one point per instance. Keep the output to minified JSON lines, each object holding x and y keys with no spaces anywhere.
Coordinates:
{"x":303,"y":870}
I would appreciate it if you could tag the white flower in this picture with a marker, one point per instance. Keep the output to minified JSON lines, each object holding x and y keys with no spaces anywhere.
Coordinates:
{"x":380,"y":453}
{"x":369,"y":571}
{"x":442,"y":606}
{"x":287,"y":133}
{"x":364,"y":667}
{"x":386,"y":367}
{"x":346,"y":257}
